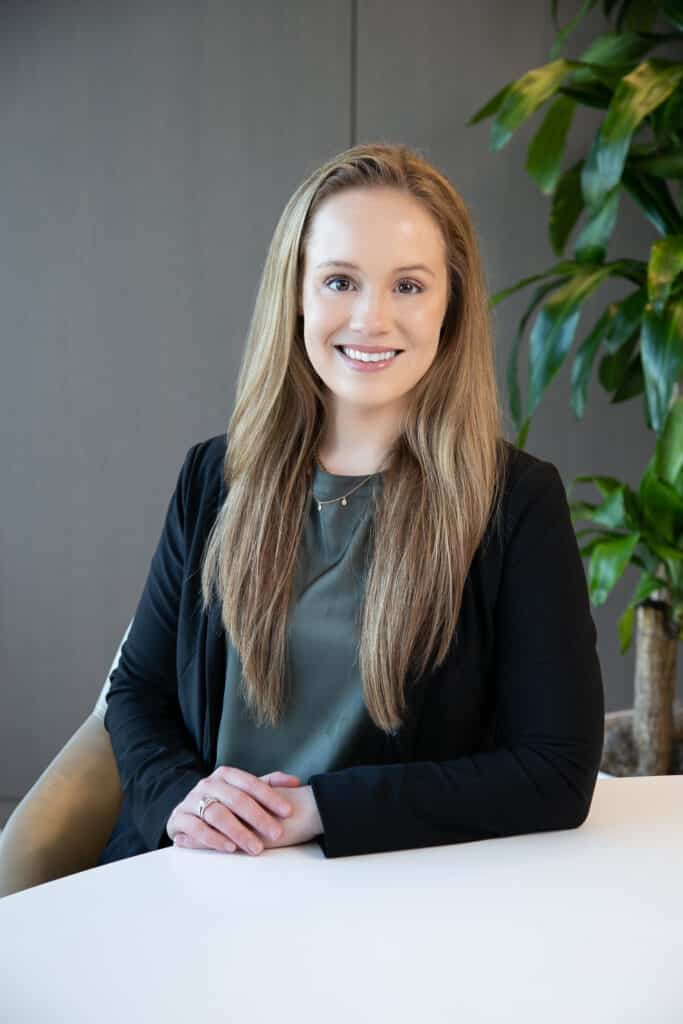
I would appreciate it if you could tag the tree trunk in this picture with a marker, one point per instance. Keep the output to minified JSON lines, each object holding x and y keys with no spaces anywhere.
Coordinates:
{"x":654,"y":688}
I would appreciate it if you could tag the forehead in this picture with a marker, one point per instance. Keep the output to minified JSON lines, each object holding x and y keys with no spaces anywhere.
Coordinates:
{"x":377,"y":219}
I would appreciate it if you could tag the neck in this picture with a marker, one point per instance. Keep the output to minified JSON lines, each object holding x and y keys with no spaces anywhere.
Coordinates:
{"x":356,"y":442}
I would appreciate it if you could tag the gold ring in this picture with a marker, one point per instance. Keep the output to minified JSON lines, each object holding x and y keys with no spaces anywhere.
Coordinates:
{"x":204,"y":803}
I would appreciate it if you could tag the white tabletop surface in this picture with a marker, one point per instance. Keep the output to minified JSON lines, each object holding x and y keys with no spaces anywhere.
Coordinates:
{"x":583,"y":926}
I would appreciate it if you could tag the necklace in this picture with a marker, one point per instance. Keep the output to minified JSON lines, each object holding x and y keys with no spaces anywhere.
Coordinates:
{"x":343,"y":497}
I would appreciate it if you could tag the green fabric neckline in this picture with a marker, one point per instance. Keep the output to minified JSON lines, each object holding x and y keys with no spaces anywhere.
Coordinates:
{"x":330,"y":485}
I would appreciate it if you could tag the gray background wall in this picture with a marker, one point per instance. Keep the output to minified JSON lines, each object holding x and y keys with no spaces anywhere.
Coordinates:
{"x":148,"y":149}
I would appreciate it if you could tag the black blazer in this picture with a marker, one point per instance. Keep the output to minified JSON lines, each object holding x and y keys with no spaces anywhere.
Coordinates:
{"x":504,"y":738}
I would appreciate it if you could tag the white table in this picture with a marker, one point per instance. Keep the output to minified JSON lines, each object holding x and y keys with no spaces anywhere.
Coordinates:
{"x":582,"y":926}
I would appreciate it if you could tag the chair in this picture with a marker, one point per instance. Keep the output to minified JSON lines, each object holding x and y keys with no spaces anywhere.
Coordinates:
{"x":65,"y":820}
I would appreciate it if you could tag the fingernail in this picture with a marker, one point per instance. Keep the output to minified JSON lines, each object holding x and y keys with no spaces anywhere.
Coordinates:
{"x":255,"y":846}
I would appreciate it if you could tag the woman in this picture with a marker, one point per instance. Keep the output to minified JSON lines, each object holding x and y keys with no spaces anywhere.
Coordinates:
{"x":367,"y":619}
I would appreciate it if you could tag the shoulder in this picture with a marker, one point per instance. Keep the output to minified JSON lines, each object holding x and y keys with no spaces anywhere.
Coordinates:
{"x":205,"y":459}
{"x":525,"y":472}
{"x":532,"y":487}
{"x":201,"y":475}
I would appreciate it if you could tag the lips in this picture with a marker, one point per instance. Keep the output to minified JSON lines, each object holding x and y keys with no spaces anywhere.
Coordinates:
{"x":369,"y":351}
{"x":368,"y":366}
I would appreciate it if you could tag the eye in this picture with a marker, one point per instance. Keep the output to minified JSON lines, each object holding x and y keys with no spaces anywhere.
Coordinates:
{"x":413,"y":284}
{"x":330,"y":280}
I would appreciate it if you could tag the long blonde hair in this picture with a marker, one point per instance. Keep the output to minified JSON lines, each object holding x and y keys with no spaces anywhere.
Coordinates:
{"x":440,"y":487}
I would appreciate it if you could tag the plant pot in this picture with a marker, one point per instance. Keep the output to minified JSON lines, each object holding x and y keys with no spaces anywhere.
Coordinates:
{"x":620,"y":756}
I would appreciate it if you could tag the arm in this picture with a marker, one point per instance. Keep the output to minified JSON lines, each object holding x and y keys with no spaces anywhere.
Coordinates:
{"x":548,"y":701}
{"x":155,"y":754}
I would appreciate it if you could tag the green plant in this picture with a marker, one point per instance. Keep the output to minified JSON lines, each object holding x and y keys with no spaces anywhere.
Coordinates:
{"x":644,"y":528}
{"x":640,"y":337}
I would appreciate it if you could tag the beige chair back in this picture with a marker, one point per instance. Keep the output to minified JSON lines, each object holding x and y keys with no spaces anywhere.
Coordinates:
{"x":65,"y":820}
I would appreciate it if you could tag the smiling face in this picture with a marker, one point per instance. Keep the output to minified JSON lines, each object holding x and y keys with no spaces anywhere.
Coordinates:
{"x":375,"y":279}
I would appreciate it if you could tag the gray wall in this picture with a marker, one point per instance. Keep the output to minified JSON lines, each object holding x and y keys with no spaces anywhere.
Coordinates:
{"x":148,"y":149}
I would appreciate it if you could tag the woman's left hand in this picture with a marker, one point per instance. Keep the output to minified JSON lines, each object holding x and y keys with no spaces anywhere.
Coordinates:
{"x":302,"y":825}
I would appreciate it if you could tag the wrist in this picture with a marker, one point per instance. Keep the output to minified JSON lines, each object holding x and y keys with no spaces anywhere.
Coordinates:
{"x":316,"y":820}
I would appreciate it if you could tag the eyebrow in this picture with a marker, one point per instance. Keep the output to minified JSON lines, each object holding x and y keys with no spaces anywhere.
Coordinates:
{"x":354,"y":266}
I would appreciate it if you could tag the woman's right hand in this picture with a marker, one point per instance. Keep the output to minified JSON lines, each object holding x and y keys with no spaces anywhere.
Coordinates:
{"x":242,"y":800}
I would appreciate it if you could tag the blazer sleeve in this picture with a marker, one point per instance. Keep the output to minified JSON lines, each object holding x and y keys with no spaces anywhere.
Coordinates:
{"x":549,"y":706}
{"x":157,"y":760}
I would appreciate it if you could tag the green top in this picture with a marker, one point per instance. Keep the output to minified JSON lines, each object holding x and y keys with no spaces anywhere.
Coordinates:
{"x":325,"y":706}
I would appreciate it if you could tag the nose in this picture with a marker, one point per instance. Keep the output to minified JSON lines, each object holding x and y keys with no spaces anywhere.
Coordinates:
{"x":371,"y":313}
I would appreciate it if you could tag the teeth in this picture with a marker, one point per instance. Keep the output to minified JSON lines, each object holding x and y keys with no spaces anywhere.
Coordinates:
{"x":368,"y":357}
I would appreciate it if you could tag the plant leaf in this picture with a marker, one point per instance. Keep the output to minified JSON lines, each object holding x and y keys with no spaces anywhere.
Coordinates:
{"x":617,"y":48}
{"x":655,"y":200}
{"x":647,"y":585}
{"x":525,"y":96}
{"x":555,"y":326}
{"x":632,"y":383}
{"x":583,"y":364}
{"x":605,"y":484}
{"x":545,"y":152}
{"x":636,"y":95}
{"x":661,"y":353}
{"x":662,"y":507}
{"x":593,"y":94}
{"x":666,"y":164}
{"x":625,"y":629}
{"x":591,"y":244}
{"x":607,"y":564}
{"x":627,"y":317}
{"x":514,"y":397}
{"x":523,"y":433}
{"x":666,"y":262}
{"x":587,"y":549}
{"x":669,"y":450}
{"x":666,"y":552}
{"x":637,"y":15}
{"x":564,"y":267}
{"x":581,"y":510}
{"x":562,"y":34}
{"x":554,"y":330}
{"x":673,"y":10}
{"x":612,"y":512}
{"x":632,"y":270}
{"x":491,"y":107}
{"x":613,"y":368}
{"x":566,"y":207}
{"x":666,"y":120}
{"x":607,"y":6}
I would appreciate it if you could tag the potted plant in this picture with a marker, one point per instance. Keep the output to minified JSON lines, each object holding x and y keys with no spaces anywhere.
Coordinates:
{"x":638,"y":148}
